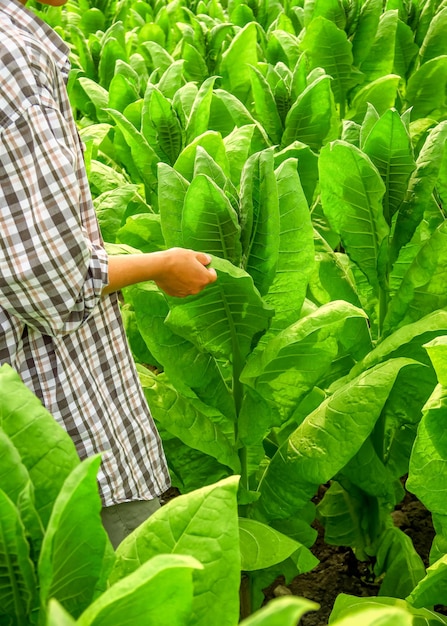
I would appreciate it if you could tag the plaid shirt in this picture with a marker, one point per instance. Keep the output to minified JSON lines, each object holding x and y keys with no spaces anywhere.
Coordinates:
{"x":66,"y":342}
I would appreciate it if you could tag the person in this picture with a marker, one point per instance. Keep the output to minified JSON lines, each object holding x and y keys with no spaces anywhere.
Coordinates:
{"x":60,"y":325}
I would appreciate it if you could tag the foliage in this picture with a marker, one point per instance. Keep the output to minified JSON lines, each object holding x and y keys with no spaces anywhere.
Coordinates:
{"x":302,"y":145}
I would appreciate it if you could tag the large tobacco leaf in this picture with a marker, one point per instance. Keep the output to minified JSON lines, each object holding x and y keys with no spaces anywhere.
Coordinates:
{"x":352,"y":192}
{"x":224,"y":318}
{"x":203,"y":525}
{"x":47,"y":452}
{"x":76,"y":554}
{"x":327,"y":439}
{"x":17,"y":576}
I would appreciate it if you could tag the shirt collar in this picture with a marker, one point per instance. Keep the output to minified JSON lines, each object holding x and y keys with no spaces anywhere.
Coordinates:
{"x":27,"y":20}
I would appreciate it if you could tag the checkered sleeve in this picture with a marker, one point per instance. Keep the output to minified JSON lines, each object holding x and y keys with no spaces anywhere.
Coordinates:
{"x":51,"y":274}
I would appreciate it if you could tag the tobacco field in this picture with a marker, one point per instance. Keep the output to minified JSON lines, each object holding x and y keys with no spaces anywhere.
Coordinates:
{"x":302,"y":144}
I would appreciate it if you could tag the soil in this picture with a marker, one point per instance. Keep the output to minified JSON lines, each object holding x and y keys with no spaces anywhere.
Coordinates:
{"x":340,"y":572}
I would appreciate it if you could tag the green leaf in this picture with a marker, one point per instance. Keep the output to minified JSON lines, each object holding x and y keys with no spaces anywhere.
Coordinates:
{"x":388,"y":146}
{"x":281,"y":612}
{"x":381,"y":93}
{"x":259,"y":219}
{"x":209,"y":222}
{"x":312,"y":118}
{"x":98,"y":96}
{"x":166,"y":579}
{"x":172,"y":188}
{"x":293,"y":361}
{"x":202,"y":524}
{"x":111,"y":207}
{"x":225,"y":317}
{"x":431,"y":589}
{"x":428,"y":463}
{"x":351,"y":195}
{"x":198,"y":122}
{"x":144,"y":157}
{"x":265,"y":106}
{"x":437,"y":351}
{"x":420,"y":187}
{"x":166,"y":137}
{"x":296,"y":248}
{"x":181,"y":360}
{"x":262,"y":546}
{"x":380,"y":59}
{"x":354,"y":608}
{"x":326,"y":440}
{"x":17,"y":486}
{"x":209,"y":141}
{"x":236,"y":61}
{"x":46,"y":450}
{"x":17,"y":578}
{"x":422,"y":288}
{"x":111,"y":51}
{"x":122,"y":92}
{"x":434,"y":44}
{"x":240,"y":144}
{"x":328,"y":47}
{"x":366,"y":30}
{"x":76,"y":553}
{"x":142,"y":231}
{"x":425,"y":90}
{"x":57,"y":615}
{"x":397,"y":558}
{"x":189,"y":419}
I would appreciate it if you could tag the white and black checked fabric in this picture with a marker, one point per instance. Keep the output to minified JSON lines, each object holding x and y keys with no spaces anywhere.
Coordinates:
{"x":66,"y":342}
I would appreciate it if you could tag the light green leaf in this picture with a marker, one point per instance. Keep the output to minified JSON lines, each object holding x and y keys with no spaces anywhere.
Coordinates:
{"x":198,"y":122}
{"x":110,"y":207}
{"x":327,"y":439}
{"x":431,"y":590}
{"x":166,"y":579}
{"x":435,"y":44}
{"x":422,"y":288}
{"x":328,"y":47}
{"x":192,"y":421}
{"x":265,"y":106}
{"x":211,"y":142}
{"x":380,"y":59}
{"x":296,"y":248}
{"x":366,"y":30}
{"x":172,"y":188}
{"x":76,"y":553}
{"x":236,"y":61}
{"x":428,"y":464}
{"x":262,"y":546}
{"x":224,"y":318}
{"x":353,"y":607}
{"x":351,"y":195}
{"x":420,"y":187}
{"x":381,"y":93}
{"x":46,"y":450}
{"x":293,"y":361}
{"x":57,"y":615}
{"x":17,"y":578}
{"x":425,"y":90}
{"x":259,"y":219}
{"x":98,"y":96}
{"x":209,"y":222}
{"x":281,"y":612}
{"x":388,"y":146}
{"x":312,"y":119}
{"x":202,"y":524}
{"x":437,"y":351}
{"x":399,"y":561}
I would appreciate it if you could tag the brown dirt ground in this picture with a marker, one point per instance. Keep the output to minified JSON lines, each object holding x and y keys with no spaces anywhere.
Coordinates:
{"x":340,"y":572}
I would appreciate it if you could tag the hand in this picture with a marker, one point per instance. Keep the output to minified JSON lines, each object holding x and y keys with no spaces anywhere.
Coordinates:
{"x":183,"y":272}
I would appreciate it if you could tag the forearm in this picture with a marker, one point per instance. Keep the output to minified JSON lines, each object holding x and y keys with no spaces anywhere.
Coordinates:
{"x":178,"y":272}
